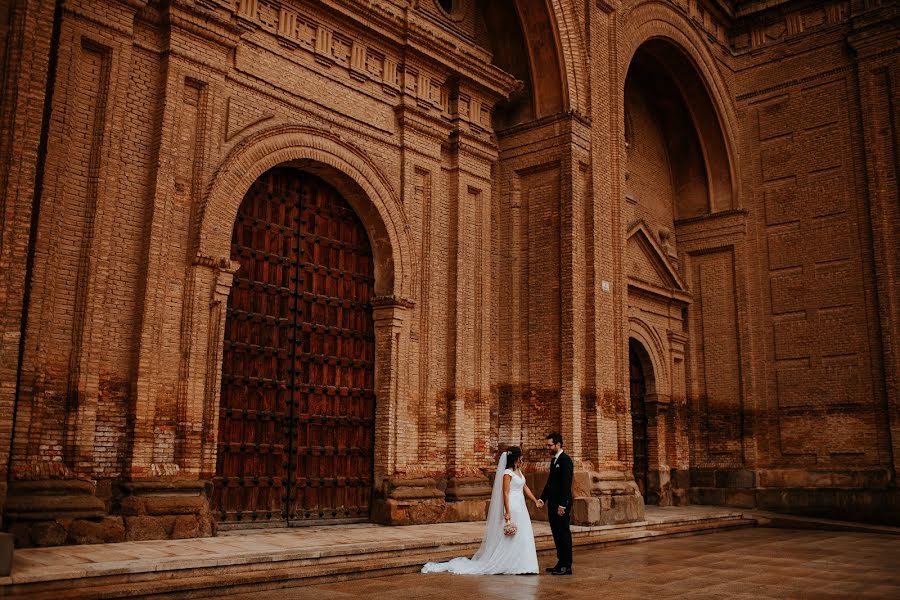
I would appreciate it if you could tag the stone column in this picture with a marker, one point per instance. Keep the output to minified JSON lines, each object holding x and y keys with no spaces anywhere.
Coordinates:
{"x":658,"y":486}
{"x":678,"y":449}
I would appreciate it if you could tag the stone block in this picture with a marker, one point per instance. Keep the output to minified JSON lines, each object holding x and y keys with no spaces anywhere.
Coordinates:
{"x":607,"y":510}
{"x":148,"y":528}
{"x":47,"y":533}
{"x":466,"y":510}
{"x":186,"y":526}
{"x":421,"y":488}
{"x":738,"y":498}
{"x":104,"y":531}
{"x":46,"y":500}
{"x":174,"y":505}
{"x":735,"y":478}
{"x":131,"y":506}
{"x":468,"y":488}
{"x":681,"y":478}
{"x":703,"y":478}
{"x":397,"y":512}
{"x":7,"y":545}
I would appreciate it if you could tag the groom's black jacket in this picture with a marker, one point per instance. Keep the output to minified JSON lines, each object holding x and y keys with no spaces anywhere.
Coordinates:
{"x":558,"y":489}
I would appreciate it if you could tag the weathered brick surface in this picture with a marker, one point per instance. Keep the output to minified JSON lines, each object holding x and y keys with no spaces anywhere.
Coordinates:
{"x":714,"y":183}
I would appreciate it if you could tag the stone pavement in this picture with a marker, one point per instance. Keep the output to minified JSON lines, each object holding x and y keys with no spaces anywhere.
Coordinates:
{"x":743,"y":564}
{"x":252,"y":560}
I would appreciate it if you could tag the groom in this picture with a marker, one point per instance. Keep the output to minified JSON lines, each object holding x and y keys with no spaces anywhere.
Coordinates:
{"x":557,"y":495}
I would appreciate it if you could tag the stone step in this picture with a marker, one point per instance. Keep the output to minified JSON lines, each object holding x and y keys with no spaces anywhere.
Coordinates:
{"x":253,"y":572}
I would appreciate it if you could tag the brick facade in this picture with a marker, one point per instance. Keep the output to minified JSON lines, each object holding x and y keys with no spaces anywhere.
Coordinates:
{"x":544,"y":183}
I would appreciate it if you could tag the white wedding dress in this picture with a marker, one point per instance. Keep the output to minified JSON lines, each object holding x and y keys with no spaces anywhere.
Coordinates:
{"x":499,"y":554}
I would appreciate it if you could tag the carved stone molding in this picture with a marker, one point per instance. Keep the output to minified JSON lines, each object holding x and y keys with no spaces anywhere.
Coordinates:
{"x":391,"y":301}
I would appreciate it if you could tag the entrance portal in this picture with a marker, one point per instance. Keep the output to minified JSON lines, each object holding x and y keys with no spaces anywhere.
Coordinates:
{"x":638,"y":418}
{"x":297,"y":410}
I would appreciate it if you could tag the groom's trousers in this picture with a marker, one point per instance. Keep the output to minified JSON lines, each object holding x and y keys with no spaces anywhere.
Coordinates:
{"x":562,"y":536}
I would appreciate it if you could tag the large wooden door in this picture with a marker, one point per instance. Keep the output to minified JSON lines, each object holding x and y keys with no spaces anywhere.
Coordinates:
{"x":296,"y":419}
{"x":638,"y":421}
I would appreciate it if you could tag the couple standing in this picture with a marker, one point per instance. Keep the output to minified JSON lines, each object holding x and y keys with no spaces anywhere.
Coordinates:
{"x":508,"y":544}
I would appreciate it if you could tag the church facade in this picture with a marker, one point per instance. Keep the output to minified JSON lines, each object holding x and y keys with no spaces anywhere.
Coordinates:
{"x":282,"y":262}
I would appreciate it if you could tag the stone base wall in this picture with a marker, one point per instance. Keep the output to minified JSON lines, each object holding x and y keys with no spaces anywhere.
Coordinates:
{"x":57,"y":512}
{"x":844,"y":495}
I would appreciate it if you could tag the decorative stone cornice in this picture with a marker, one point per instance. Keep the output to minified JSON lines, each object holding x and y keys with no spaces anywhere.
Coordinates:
{"x":391,"y":301}
{"x":221,"y":263}
{"x":677,"y":337}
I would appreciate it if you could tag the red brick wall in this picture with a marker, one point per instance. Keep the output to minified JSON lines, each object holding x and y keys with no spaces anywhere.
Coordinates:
{"x":511,"y":265}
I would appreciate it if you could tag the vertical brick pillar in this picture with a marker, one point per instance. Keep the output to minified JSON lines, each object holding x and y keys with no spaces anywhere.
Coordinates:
{"x":399,"y":499}
{"x":611,"y":495}
{"x":182,"y":324}
{"x":390,"y":419}
{"x":26,"y":70}
{"x":472,"y":153}
{"x":874,"y":35}
{"x":53,"y":495}
{"x":423,"y":130}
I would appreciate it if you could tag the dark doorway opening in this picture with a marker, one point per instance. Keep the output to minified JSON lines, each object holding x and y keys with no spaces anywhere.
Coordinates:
{"x":638,"y":388}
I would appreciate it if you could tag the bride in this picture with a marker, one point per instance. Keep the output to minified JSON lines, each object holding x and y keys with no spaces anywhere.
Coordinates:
{"x":500,"y":553}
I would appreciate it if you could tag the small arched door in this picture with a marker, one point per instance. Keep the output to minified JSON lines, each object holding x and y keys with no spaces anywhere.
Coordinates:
{"x":297,"y":408}
{"x":638,"y":419}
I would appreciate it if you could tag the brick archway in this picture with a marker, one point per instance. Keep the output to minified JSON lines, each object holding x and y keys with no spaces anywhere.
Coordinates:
{"x":367,"y":192}
{"x":649,"y":413}
{"x":689,"y":55}
{"x":348,"y":169}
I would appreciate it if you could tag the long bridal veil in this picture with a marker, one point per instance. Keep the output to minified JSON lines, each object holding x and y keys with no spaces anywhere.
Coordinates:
{"x":493,"y":534}
{"x":493,"y":528}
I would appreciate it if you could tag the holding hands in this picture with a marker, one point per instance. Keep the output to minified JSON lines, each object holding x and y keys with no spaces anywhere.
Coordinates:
{"x":539,"y":503}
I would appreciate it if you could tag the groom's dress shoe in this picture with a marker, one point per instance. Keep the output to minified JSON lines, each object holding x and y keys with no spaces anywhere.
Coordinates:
{"x":551,"y":569}
{"x":561,"y":571}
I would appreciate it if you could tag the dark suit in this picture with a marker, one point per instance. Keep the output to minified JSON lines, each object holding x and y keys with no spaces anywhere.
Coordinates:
{"x":558,"y":492}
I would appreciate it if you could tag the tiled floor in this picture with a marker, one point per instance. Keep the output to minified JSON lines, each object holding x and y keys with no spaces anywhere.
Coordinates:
{"x":744,"y":564}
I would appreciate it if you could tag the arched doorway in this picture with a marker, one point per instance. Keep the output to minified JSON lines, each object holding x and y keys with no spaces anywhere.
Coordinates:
{"x":297,"y":407}
{"x":639,"y":431}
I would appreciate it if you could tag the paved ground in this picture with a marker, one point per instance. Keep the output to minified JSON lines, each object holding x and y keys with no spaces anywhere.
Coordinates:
{"x":267,"y":546}
{"x":744,"y":564}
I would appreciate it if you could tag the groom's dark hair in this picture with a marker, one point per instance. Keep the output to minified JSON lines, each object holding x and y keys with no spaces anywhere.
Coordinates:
{"x":555,"y":437}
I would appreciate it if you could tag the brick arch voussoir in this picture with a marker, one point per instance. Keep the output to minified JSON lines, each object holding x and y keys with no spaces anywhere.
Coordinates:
{"x":650,"y":340}
{"x":377,"y":206}
{"x":654,"y":19}
{"x":573,"y":47}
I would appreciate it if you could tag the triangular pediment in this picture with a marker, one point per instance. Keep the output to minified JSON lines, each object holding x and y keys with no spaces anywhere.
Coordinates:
{"x":647,"y":265}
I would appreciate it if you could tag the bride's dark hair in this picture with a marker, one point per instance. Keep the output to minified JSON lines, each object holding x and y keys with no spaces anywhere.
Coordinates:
{"x":513,"y":454}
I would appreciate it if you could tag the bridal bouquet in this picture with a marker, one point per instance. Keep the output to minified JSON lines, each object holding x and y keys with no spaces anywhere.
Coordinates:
{"x":510,"y":528}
